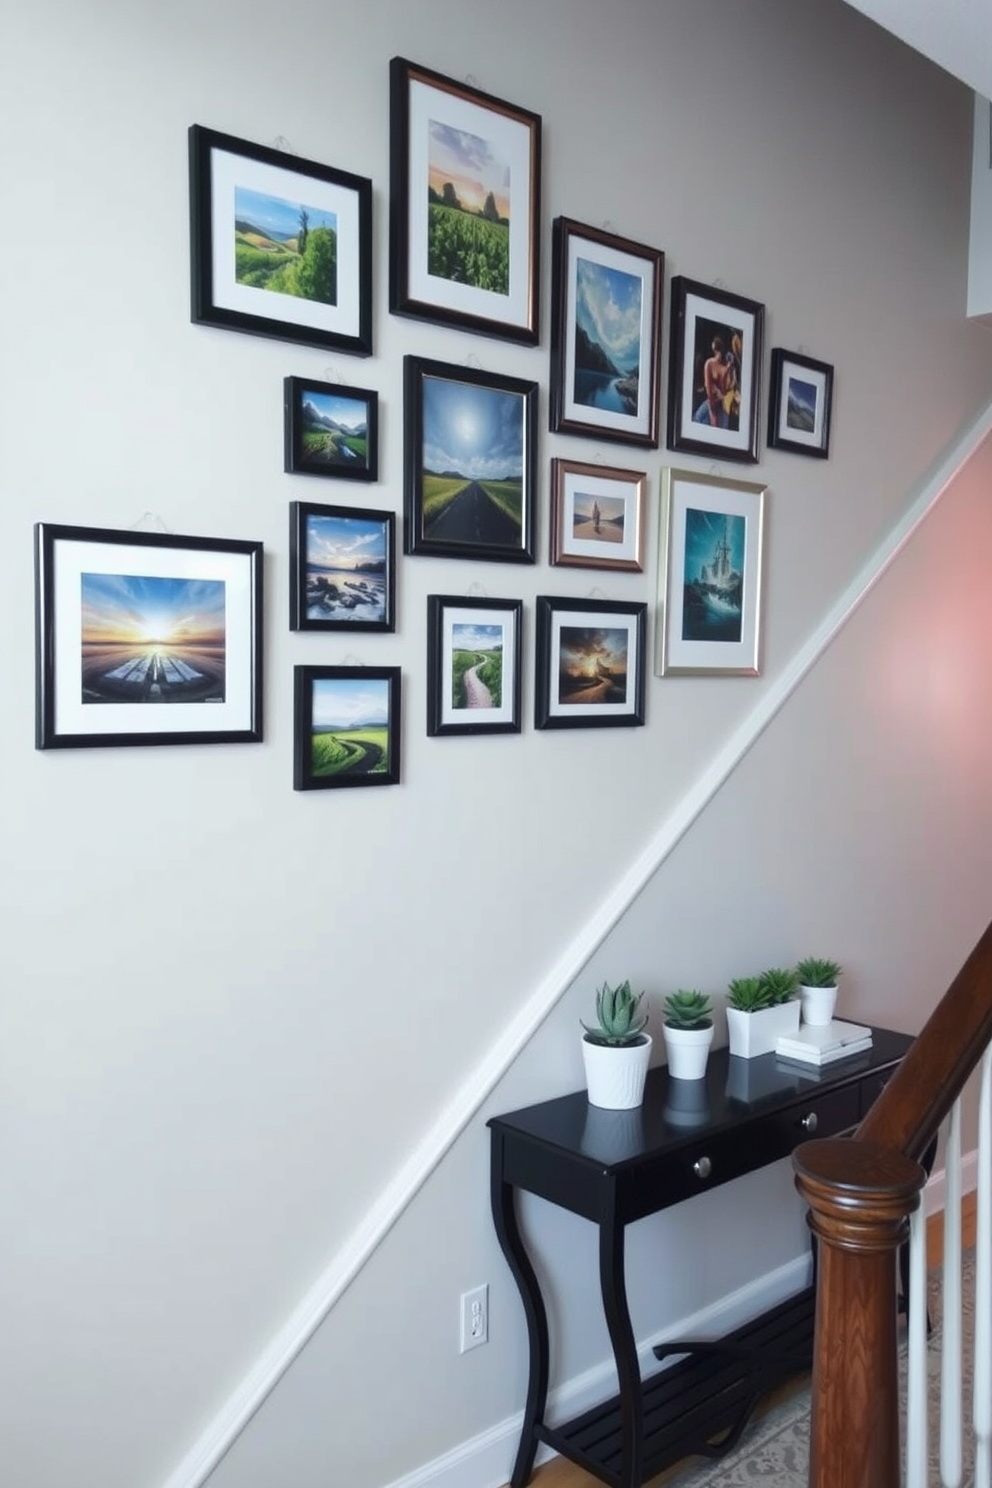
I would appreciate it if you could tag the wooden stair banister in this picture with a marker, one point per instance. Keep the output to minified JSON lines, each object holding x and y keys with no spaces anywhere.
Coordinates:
{"x":861,"y":1191}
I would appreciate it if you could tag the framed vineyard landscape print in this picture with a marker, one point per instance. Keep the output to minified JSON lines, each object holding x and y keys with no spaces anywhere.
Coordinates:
{"x":465,"y":192}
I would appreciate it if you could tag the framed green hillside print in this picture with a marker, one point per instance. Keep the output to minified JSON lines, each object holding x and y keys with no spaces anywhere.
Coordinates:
{"x":347,"y":726}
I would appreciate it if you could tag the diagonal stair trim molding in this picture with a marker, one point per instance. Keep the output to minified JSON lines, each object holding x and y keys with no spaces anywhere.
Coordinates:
{"x":232,"y":1418}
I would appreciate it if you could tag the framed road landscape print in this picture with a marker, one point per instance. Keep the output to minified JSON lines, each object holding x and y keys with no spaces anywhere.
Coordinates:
{"x":331,"y":429}
{"x":714,"y":372}
{"x":799,"y":404}
{"x":473,"y":665}
{"x":470,"y":467}
{"x":342,"y":568}
{"x":597,"y":516}
{"x":710,"y":576}
{"x":280,"y":246}
{"x":605,"y":335}
{"x":590,"y":663}
{"x":465,"y":194}
{"x":146,"y":638}
{"x":347,"y":726}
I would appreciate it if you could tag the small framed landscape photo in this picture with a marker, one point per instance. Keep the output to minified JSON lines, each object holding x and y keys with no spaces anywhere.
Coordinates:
{"x":347,"y":726}
{"x":465,"y":194}
{"x":470,"y":467}
{"x":714,"y":372}
{"x":605,"y":335}
{"x":590,"y":663}
{"x":146,"y":638}
{"x":331,"y":430}
{"x":597,"y":516}
{"x":709,"y":576}
{"x":473,"y":665}
{"x":799,"y":404}
{"x":342,"y":568}
{"x":280,"y":246}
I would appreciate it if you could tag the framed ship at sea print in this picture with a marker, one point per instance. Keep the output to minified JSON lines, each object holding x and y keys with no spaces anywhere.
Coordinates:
{"x":714,"y":372}
{"x":709,"y":576}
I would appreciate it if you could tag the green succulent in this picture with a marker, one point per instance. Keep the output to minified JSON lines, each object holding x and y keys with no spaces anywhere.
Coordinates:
{"x":816,"y":972}
{"x":748,"y":994}
{"x":618,"y":1019}
{"x":688,"y":1010}
{"x":780,"y":983}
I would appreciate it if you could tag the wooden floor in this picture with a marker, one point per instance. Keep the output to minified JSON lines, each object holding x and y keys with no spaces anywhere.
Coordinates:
{"x":563,"y":1474}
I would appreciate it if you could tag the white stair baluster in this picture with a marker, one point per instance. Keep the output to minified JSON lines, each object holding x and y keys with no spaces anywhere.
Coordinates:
{"x":951,"y":1413}
{"x":917,"y":1445}
{"x":982,"y":1404}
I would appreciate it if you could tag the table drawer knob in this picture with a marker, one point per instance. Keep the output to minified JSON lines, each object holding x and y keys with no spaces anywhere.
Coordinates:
{"x":810,"y":1122}
{"x":702,"y":1168}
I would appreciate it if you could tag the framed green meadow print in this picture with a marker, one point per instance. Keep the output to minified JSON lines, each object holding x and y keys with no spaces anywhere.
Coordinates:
{"x":473,"y":665}
{"x":465,"y":206}
{"x":330,"y":429}
{"x":347,"y":727}
{"x":280,"y":246}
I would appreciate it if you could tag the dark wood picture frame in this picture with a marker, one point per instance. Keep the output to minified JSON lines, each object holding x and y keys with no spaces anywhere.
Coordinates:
{"x":146,"y":638}
{"x":598,"y":516}
{"x":590,"y":663}
{"x":605,"y":372}
{"x":441,"y":129}
{"x":800,"y":402}
{"x":342,"y":568}
{"x":480,"y":696}
{"x":354,"y":713}
{"x":470,"y":465}
{"x":331,"y":430}
{"x":714,"y":374}
{"x":234,"y":255}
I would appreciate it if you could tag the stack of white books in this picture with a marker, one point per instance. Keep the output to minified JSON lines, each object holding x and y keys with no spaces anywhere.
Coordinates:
{"x":822,"y":1045}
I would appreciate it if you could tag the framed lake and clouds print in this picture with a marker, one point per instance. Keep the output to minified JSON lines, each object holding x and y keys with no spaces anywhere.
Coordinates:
{"x":280,"y":246}
{"x":605,"y":335}
{"x":709,"y":576}
{"x":146,"y":638}
{"x":465,"y":205}
{"x":714,"y":372}
{"x":470,"y":466}
{"x":799,"y":404}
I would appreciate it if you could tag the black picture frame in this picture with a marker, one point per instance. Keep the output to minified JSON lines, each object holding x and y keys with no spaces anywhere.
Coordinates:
{"x":605,"y":378}
{"x":469,"y":437}
{"x":146,"y":638}
{"x":800,"y":402}
{"x":359,"y":708}
{"x":331,"y":430}
{"x":490,"y":629}
{"x":230,"y":178}
{"x":599,"y":639}
{"x":715,"y":416}
{"x":326,"y":545}
{"x":439,"y":129}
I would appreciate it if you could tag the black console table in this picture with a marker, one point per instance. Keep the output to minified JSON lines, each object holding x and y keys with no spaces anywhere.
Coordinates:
{"x":614,"y":1167}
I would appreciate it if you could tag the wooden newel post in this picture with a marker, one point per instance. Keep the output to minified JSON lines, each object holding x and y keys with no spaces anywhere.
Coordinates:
{"x":860,"y":1197}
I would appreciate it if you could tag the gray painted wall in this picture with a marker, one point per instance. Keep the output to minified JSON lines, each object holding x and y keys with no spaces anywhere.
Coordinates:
{"x":232,"y":1012}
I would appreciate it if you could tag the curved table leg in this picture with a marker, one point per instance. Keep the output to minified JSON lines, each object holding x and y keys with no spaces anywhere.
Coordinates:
{"x":512,"y":1246}
{"x":614,"y":1289}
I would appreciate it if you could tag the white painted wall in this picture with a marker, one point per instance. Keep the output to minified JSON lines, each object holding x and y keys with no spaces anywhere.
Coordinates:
{"x":231,"y":1012}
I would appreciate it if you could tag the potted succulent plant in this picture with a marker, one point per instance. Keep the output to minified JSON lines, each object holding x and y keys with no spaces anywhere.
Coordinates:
{"x":688,"y":1032}
{"x":616,"y":1050}
{"x":759,"y":1010}
{"x":817,"y":978}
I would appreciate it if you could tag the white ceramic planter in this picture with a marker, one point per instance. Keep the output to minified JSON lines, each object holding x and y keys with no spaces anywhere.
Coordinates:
{"x":688,"y":1050}
{"x":818,"y":1005}
{"x":615,"y":1073}
{"x":753,"y":1034}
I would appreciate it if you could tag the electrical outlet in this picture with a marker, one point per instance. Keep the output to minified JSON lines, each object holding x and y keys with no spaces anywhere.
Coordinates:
{"x":475,"y":1317}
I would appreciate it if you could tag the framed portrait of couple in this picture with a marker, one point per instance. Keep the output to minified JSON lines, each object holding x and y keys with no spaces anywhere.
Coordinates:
{"x":714,"y":372}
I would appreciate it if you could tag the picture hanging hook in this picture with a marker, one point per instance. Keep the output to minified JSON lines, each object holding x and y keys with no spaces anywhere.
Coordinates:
{"x":149,"y":522}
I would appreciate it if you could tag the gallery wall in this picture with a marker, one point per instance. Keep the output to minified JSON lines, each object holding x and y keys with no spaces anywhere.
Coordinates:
{"x":232,"y":1011}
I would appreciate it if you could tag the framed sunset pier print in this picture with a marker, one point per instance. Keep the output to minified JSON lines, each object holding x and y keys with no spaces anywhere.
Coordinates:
{"x":465,"y":194}
{"x":473,"y":665}
{"x":146,"y":638}
{"x":709,"y":576}
{"x":605,"y":335}
{"x":280,"y":246}
{"x":799,"y":404}
{"x":714,"y":372}
{"x":589,"y":670}
{"x":470,"y":466}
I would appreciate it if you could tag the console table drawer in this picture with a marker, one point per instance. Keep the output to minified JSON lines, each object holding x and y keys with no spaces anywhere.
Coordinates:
{"x":720,"y":1157}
